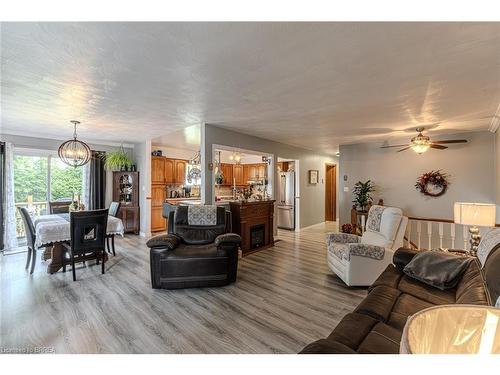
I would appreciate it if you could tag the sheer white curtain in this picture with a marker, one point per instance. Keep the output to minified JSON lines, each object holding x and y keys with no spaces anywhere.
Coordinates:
{"x":86,"y":185}
{"x":10,"y":207}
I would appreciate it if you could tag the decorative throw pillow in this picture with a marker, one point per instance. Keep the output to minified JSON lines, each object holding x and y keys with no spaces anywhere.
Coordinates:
{"x":488,"y":242}
{"x":437,"y":268}
{"x":170,"y":241}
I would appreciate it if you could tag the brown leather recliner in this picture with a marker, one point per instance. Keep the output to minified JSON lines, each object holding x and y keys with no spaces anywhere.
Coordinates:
{"x":376,"y":325}
{"x":192,"y":256}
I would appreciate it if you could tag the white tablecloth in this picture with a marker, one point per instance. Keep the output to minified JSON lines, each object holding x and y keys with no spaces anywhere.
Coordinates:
{"x":56,"y":228}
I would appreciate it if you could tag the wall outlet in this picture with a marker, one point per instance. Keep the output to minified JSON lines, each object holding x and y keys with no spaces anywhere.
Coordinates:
{"x":346,"y":189}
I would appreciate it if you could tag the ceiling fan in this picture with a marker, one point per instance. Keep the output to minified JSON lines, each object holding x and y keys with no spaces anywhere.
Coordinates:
{"x":422,"y":143}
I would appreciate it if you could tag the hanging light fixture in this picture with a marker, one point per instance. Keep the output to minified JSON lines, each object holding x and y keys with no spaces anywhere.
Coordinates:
{"x":74,"y":152}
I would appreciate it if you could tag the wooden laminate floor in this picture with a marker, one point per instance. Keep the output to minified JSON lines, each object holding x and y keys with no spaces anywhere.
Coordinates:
{"x":284,"y":298}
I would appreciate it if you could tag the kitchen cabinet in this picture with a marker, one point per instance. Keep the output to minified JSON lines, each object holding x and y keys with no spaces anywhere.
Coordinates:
{"x":169,"y":171}
{"x":157,"y":170}
{"x":158,"y":223}
{"x":180,"y":171}
{"x":261,"y":171}
{"x":238,"y":175}
{"x":227,"y":173}
{"x":158,"y":195}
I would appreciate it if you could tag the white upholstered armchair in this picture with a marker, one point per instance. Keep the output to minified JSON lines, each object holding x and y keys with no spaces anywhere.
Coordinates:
{"x":359,"y":260}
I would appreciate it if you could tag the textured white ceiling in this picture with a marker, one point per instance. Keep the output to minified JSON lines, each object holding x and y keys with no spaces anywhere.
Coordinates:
{"x":313,"y":85}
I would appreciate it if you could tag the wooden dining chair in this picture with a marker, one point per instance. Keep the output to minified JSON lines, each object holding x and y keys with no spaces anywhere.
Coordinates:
{"x":88,"y":232}
{"x":59,"y":207}
{"x":114,"y":208}
{"x":29,"y":228}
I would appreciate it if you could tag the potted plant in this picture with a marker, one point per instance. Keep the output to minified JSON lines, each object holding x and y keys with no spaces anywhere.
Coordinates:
{"x":118,"y":160}
{"x":361,"y":194}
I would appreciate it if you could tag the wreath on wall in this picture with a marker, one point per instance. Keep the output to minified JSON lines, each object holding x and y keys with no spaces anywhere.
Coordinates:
{"x":433,"y":183}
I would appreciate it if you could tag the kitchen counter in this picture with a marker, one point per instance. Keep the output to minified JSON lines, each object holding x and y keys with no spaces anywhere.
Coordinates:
{"x":168,"y":200}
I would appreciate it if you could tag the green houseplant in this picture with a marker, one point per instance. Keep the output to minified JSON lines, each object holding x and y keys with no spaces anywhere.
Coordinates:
{"x":116,"y":160}
{"x":361,"y":194}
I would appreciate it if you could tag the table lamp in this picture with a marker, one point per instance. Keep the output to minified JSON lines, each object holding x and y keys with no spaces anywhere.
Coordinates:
{"x":474,"y":215}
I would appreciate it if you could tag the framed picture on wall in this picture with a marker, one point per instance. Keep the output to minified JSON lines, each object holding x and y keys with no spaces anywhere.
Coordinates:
{"x":313,"y":176}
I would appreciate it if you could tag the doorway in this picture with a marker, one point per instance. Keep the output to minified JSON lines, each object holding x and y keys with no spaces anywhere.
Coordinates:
{"x":331,"y":192}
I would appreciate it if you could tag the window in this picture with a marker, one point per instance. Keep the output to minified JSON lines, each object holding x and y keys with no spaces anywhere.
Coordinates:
{"x":40,"y":177}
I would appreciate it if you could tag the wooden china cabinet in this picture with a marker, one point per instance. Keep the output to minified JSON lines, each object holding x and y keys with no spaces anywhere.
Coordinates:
{"x":126,"y":191}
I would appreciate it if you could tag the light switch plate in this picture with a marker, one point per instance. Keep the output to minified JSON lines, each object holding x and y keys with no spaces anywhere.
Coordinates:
{"x":346,"y":189}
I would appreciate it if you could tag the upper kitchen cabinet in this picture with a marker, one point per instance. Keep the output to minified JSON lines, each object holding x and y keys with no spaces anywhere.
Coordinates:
{"x":227,"y":173}
{"x":180,"y":171}
{"x":169,"y":171}
{"x":157,"y":170}
{"x":238,"y":175}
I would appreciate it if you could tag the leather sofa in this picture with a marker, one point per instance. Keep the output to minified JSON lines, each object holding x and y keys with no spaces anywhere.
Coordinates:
{"x":376,"y":325}
{"x":192,"y":256}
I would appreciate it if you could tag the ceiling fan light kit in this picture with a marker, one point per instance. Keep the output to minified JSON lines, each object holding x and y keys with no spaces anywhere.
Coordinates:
{"x":421,"y":143}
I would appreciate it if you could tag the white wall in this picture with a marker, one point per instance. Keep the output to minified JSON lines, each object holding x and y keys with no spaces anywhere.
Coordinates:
{"x":174,"y":153}
{"x":470,"y":166}
{"x":142,"y":156}
{"x":497,"y":172}
{"x":312,"y":197}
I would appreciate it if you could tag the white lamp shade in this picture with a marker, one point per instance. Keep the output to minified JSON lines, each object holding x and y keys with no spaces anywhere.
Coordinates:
{"x":480,"y":214}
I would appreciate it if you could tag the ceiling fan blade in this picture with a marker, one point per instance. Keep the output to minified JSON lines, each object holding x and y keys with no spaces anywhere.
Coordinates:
{"x":438,"y":147}
{"x":451,"y":141}
{"x":404,"y":149}
{"x":394,"y":146}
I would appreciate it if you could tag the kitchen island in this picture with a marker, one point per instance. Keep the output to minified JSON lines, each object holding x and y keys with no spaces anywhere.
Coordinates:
{"x":253,"y":221}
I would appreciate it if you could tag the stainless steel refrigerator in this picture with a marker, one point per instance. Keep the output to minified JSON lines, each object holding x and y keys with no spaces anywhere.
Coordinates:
{"x":286,"y":200}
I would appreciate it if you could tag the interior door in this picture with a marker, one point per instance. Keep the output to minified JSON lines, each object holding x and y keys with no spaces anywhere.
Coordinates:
{"x":330,"y":193}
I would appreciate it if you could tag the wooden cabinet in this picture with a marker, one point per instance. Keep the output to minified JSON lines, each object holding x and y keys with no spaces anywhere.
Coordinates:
{"x":180,"y":171}
{"x":126,"y":191}
{"x":169,"y":171}
{"x":158,"y":222}
{"x":227,"y":173}
{"x":157,"y":170}
{"x":261,"y":171}
{"x":253,"y":221}
{"x":238,"y":175}
{"x":130,"y":218}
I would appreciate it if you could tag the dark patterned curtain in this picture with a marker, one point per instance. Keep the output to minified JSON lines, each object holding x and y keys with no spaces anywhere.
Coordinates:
{"x":97,"y":181}
{"x":2,"y":194}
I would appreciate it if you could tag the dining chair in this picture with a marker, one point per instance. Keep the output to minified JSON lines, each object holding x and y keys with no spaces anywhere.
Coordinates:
{"x":29,"y":228}
{"x":88,"y":231}
{"x":59,"y":207}
{"x":114,"y":208}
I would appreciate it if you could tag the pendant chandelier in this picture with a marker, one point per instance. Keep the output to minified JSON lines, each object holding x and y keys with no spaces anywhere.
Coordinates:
{"x":74,"y":152}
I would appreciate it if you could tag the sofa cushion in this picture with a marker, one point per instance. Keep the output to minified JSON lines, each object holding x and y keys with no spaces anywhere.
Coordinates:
{"x":488,"y":243}
{"x":491,"y":271}
{"x":472,"y":287}
{"x":325,"y":346}
{"x":379,"y":302}
{"x":426,"y":292}
{"x":390,"y":277}
{"x":352,"y":330}
{"x":198,"y":234}
{"x":382,"y":226}
{"x":382,"y":339}
{"x":437,"y":268}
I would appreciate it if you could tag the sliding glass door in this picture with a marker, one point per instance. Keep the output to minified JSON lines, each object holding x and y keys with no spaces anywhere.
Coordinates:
{"x":40,"y":177}
{"x":2,"y":195}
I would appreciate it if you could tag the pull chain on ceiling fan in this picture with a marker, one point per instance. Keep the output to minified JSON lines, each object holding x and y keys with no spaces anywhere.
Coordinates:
{"x":421,"y":143}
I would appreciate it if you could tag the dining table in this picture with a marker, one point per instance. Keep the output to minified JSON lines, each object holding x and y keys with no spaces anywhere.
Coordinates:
{"x":51,"y":231}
